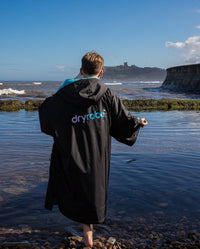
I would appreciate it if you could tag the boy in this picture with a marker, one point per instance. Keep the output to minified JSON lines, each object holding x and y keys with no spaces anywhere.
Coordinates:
{"x":82,"y":116}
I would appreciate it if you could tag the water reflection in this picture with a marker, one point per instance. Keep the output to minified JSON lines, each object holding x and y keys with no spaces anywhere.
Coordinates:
{"x":159,"y":175}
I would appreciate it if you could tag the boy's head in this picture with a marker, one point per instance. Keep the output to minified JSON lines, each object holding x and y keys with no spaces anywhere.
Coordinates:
{"x":92,"y":64}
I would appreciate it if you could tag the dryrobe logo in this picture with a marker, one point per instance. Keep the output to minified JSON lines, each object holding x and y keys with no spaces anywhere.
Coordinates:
{"x":83,"y":118}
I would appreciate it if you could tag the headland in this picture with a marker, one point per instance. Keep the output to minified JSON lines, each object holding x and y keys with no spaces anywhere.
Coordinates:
{"x":132,"y":73}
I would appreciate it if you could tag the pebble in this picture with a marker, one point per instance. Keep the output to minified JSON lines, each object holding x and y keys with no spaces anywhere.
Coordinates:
{"x":98,"y":244}
{"x":111,"y":240}
{"x":148,"y":233}
{"x":46,"y":244}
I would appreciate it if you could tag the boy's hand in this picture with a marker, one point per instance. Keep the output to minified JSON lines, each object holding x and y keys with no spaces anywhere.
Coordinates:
{"x":144,"y":122}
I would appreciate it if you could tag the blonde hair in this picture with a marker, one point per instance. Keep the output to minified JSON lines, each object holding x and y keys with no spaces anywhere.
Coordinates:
{"x":92,"y":63}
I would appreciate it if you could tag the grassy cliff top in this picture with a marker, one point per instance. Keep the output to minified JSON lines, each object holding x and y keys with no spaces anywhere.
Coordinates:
{"x":125,"y":72}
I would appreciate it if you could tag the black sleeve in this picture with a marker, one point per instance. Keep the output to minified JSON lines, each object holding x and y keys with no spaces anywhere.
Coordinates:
{"x":45,"y":115}
{"x":124,"y":126}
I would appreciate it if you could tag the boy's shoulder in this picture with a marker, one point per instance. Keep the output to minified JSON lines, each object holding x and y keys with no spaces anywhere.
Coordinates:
{"x":67,"y":82}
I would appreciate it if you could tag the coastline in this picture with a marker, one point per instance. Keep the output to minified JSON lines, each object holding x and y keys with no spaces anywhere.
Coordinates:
{"x":152,"y":232}
{"x":131,"y":105}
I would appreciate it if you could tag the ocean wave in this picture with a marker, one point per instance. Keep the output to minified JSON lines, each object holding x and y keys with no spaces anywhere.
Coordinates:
{"x":151,"y":82}
{"x":9,"y":91}
{"x":113,"y":83}
{"x":1,"y":84}
{"x":37,"y":83}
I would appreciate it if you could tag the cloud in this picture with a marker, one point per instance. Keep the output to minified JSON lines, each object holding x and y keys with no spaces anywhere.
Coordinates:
{"x":198,"y":27}
{"x":60,"y":68}
{"x":64,"y":70}
{"x":198,"y":11}
{"x":190,"y":49}
{"x":175,"y":44}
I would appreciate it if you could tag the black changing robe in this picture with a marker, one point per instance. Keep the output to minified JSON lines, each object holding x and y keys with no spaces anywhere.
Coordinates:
{"x":82,"y":117}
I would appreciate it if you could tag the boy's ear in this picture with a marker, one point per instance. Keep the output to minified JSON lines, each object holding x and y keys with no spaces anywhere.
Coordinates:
{"x":81,"y":71}
{"x":100,"y":74}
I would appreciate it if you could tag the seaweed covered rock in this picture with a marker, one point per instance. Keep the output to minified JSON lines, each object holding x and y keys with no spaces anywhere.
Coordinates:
{"x":161,"y":105}
{"x":32,"y":105}
{"x":11,"y":105}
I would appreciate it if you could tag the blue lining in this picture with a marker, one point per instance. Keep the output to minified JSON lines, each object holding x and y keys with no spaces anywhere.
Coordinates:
{"x":70,"y":81}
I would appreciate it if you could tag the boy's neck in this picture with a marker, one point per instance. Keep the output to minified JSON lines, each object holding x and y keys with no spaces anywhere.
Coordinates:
{"x":90,"y":76}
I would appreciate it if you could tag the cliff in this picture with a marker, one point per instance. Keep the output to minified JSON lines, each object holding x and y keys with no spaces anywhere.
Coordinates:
{"x":132,"y":73}
{"x":183,"y":78}
{"x":125,"y":72}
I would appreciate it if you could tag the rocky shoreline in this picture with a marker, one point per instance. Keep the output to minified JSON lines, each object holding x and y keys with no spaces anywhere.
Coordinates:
{"x":34,"y":239}
{"x":144,"y":232}
{"x":132,"y":105}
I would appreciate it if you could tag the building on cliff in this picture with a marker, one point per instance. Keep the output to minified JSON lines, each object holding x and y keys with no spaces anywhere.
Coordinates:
{"x":132,"y":73}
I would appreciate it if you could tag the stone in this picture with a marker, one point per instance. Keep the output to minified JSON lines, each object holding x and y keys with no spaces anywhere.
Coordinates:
{"x":23,"y":244}
{"x":111,"y":240}
{"x":192,"y":236}
{"x":46,"y":244}
{"x":61,"y":246}
{"x":98,"y":244}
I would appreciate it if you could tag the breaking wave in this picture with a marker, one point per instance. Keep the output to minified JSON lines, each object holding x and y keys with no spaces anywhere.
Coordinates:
{"x":151,"y":81}
{"x":1,"y":84}
{"x":113,"y":84}
{"x":9,"y":91}
{"x":37,"y":83}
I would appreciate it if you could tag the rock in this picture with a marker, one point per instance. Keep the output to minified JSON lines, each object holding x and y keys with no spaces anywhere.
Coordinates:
{"x":98,"y":244}
{"x":61,"y":246}
{"x":77,"y":238}
{"x":192,"y":236}
{"x":23,"y":244}
{"x":10,"y":105}
{"x":46,"y":244}
{"x":72,"y":243}
{"x":182,"y":233}
{"x":32,"y":104}
{"x":111,"y":240}
{"x":103,"y":239}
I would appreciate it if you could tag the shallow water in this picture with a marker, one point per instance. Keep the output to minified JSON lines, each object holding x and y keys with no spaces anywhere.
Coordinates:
{"x":158,"y":175}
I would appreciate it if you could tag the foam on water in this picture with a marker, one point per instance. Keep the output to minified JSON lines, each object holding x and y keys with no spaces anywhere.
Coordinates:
{"x":37,"y":83}
{"x":1,"y":84}
{"x":113,"y":83}
{"x":8,"y":91}
{"x":153,"y":82}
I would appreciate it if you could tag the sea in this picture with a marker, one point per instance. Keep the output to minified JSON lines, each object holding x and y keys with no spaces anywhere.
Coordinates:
{"x":154,"y":185}
{"x":24,"y":90}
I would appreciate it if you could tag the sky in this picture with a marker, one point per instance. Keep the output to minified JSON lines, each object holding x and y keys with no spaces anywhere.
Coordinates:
{"x":46,"y":39}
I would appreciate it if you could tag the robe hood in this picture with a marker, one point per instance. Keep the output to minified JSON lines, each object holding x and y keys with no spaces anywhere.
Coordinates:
{"x":83,"y":92}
